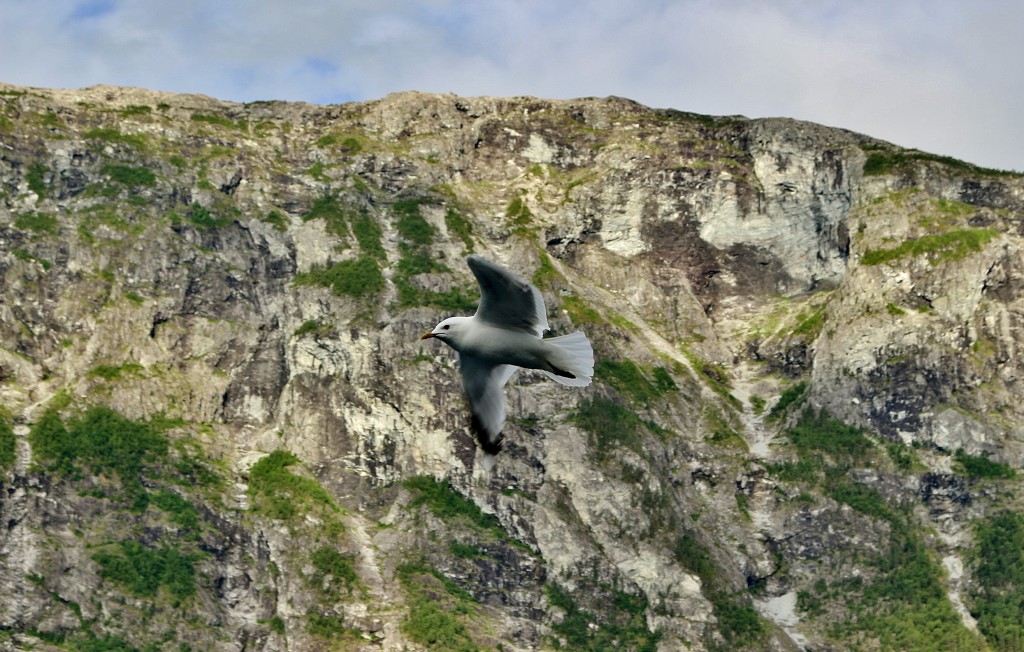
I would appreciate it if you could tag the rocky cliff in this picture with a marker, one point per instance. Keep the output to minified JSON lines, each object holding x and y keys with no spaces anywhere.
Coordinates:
{"x":220,"y":431}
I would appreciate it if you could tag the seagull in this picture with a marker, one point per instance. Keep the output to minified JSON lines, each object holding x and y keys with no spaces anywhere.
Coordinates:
{"x":506,"y":333}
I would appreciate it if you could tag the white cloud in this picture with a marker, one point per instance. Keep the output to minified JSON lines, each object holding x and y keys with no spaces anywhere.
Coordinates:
{"x":941,"y":75}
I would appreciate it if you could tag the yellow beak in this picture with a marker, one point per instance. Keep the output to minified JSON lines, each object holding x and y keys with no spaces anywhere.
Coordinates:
{"x":426,"y":336}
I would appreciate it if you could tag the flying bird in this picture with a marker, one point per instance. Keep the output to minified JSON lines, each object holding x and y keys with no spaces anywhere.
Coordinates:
{"x":506,"y":333}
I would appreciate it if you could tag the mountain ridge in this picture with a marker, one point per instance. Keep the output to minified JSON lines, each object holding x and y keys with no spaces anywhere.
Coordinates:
{"x":806,"y":379}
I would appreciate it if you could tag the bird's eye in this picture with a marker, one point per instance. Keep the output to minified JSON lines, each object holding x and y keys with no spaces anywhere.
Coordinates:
{"x":447,"y":326}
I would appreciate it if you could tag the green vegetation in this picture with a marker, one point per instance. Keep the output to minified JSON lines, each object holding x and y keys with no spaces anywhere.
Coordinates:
{"x":630,"y":380}
{"x":368,"y":235}
{"x":417,"y":235}
{"x":792,"y":395}
{"x":609,"y":424}
{"x":459,"y":227}
{"x":446,"y":503}
{"x":714,"y":376}
{"x":102,"y":441}
{"x":280,"y":494}
{"x":144,"y":571}
{"x":622,"y":625}
{"x":882,"y":160}
{"x":939,"y":247}
{"x":519,"y":218}
{"x":997,"y":602}
{"x":136,"y":110}
{"x":114,"y":372}
{"x":201,"y":216}
{"x":810,"y":324}
{"x":221,"y":121}
{"x":333,"y":573}
{"x":328,"y":209}
{"x":817,"y":434}
{"x":894,"y":310}
{"x":359,"y":277}
{"x":411,"y":226}
{"x":313,"y":327}
{"x":902,"y":605}
{"x":114,"y":136}
{"x":181,"y":512}
{"x":980,"y":466}
{"x":437,"y":609}
{"x":738,"y":622}
{"x":329,"y":626}
{"x":109,"y":643}
{"x":41,"y":223}
{"x":580,"y":313}
{"x":8,"y":443}
{"x":276,"y":219}
{"x":130,"y":177}
{"x":35,"y":176}
{"x":21,"y":254}
{"x":546,"y":275}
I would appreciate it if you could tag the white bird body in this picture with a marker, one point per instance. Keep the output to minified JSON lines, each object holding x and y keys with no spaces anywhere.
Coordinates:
{"x":505,"y":333}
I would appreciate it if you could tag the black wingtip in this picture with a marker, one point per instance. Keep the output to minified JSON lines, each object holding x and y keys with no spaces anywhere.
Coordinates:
{"x":484,"y":438}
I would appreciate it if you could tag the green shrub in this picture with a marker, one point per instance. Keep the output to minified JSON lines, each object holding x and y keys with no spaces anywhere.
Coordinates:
{"x":281,"y":494}
{"x":360,"y":277}
{"x":411,"y":226}
{"x":453,"y":300}
{"x":609,"y":424}
{"x":330,"y":627}
{"x":941,"y":247}
{"x":130,"y":177}
{"x":182,"y":512}
{"x":332,"y":572}
{"x":622,"y":625}
{"x":8,"y":443}
{"x":328,"y":209}
{"x":882,"y":161}
{"x":792,"y":395}
{"x":368,"y":235}
{"x":201,"y":216}
{"x":144,"y":571}
{"x":627,"y":377}
{"x":313,"y":327}
{"x":998,"y":594}
{"x":980,"y":466}
{"x":817,"y":433}
{"x":114,"y":372}
{"x":35,"y":176}
{"x":109,"y":643}
{"x":444,"y":502}
{"x":433,"y":619}
{"x":100,"y":440}
{"x":460,"y":227}
{"x":276,"y":219}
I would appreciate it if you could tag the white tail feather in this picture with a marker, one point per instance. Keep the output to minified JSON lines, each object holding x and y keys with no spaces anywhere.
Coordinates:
{"x":573,"y":354}
{"x":488,"y":461}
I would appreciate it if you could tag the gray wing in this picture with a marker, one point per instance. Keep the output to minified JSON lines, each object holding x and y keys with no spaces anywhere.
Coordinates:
{"x":484,"y":385}
{"x":507,"y":300}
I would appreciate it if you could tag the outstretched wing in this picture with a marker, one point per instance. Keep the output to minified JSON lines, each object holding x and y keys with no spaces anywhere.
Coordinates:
{"x":507,"y":300}
{"x":484,"y":385}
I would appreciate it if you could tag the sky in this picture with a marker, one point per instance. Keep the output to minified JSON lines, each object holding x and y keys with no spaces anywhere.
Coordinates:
{"x":943,"y":76}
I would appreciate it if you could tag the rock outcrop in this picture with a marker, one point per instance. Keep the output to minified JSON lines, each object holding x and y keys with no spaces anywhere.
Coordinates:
{"x":220,"y":430}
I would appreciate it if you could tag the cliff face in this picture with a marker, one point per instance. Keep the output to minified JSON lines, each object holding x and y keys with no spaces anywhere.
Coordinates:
{"x":220,"y":430}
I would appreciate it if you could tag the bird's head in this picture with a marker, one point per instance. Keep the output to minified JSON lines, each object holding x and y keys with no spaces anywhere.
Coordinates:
{"x":448,"y":331}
